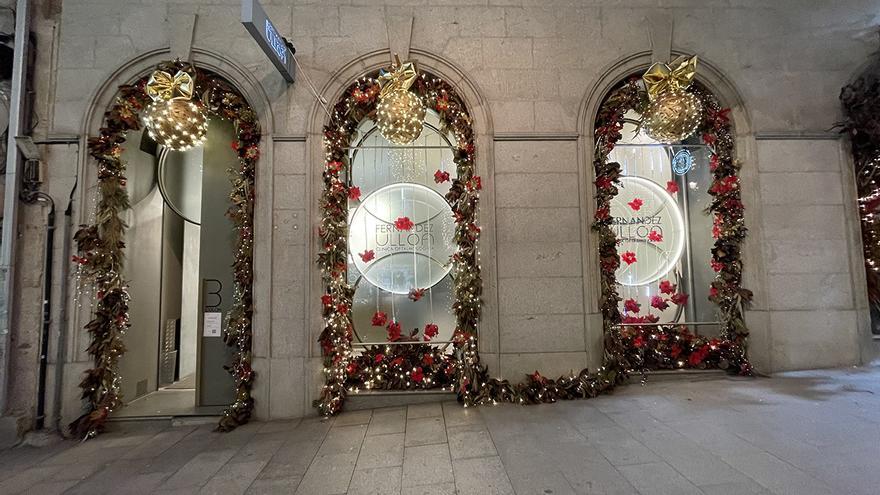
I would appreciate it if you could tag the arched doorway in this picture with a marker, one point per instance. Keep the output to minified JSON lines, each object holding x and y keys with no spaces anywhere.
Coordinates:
{"x":184,"y":219}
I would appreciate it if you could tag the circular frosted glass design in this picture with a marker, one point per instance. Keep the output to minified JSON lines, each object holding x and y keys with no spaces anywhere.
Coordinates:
{"x":404,"y":259}
{"x":658,"y":214}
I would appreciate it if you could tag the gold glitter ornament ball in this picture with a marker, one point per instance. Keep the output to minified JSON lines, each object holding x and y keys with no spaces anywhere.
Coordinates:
{"x":178,"y":124}
{"x":400,"y":116}
{"x":672,"y":116}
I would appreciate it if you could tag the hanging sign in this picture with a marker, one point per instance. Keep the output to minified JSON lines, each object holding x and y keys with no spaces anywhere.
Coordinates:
{"x":270,"y":40}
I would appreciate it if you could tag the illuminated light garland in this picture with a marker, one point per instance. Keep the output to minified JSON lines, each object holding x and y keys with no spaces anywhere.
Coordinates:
{"x":672,"y":116}
{"x":672,"y":113}
{"x":861,"y":105}
{"x":100,"y":250}
{"x":177,"y":124}
{"x":400,"y":117}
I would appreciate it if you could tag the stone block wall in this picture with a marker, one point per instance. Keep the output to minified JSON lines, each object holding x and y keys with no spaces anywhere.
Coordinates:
{"x":535,"y":67}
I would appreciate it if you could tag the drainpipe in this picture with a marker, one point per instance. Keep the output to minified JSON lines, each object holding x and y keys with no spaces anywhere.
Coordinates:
{"x":17,"y":118}
{"x":36,"y":197}
{"x":62,"y":317}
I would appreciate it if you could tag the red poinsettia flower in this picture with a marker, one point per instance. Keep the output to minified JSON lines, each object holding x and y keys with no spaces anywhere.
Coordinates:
{"x":379,"y":319}
{"x":334,"y":166}
{"x":417,"y":375}
{"x":716,"y":265}
{"x":416,"y":294}
{"x":713,"y":292}
{"x":460,"y":336}
{"x":361,"y":96}
{"x":354,"y":193}
{"x":725,"y":185}
{"x":236,"y":144}
{"x":352,"y":367}
{"x":442,"y":103}
{"x":427,"y":360}
{"x":252,"y":152}
{"x":713,"y":162}
{"x":440,"y":176}
{"x":367,"y":255}
{"x":639,"y":341}
{"x":603,"y":182}
{"x":698,"y":356}
{"x":631,"y":306}
{"x":675,"y":351}
{"x":393,"y":331}
{"x":476,"y":183}
{"x":602,"y":214}
{"x":720,"y":117}
{"x":397,"y":361}
{"x":628,"y":257}
{"x":403,"y":223}
{"x":679,"y":299}
{"x":636,"y":204}
{"x":379,"y":358}
{"x":537,"y":377}
{"x":342,"y":308}
{"x":650,"y":318}
{"x":671,"y":187}
{"x":709,"y":139}
{"x":327,"y":300}
{"x":431,"y":331}
{"x":659,"y":303}
{"x":655,"y":236}
{"x":667,"y":287}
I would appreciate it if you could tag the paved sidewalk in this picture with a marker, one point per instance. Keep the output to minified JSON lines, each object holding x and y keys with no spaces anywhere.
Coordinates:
{"x":797,"y":433}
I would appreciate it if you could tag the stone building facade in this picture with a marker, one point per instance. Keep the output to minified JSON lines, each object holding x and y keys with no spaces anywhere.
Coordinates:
{"x":533,"y":74}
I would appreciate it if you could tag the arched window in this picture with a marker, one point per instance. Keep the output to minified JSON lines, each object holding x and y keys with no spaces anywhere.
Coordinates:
{"x":660,"y":217}
{"x":403,"y":274}
{"x":670,"y":225}
{"x":399,"y":231}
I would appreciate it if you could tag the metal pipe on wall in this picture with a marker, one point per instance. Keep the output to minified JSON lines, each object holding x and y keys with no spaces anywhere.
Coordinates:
{"x":17,"y":119}
{"x":46,"y":317}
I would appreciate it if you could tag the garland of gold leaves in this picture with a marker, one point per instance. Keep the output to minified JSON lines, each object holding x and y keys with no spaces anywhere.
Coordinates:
{"x":861,"y":108}
{"x":101,"y":248}
{"x":343,"y":369}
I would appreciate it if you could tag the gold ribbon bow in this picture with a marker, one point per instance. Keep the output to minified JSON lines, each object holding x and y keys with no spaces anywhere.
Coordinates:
{"x":678,"y":74}
{"x":162,"y":86}
{"x":398,"y":80}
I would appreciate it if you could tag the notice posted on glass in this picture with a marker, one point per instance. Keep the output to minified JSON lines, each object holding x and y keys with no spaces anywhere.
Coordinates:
{"x":213,"y":324}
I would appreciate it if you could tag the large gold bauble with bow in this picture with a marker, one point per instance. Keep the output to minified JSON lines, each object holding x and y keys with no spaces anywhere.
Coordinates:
{"x":673,"y":113}
{"x":173,"y":119}
{"x":400,"y":113}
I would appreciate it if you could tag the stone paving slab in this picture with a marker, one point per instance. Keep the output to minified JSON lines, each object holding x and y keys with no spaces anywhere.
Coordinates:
{"x":796,"y":433}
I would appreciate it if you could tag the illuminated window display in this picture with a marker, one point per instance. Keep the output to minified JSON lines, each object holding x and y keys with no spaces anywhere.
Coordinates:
{"x":664,"y":236}
{"x":401,"y":231}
